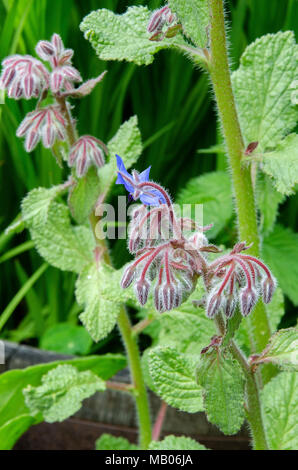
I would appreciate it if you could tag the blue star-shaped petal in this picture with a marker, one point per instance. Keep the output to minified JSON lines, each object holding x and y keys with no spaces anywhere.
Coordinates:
{"x":148,"y":196}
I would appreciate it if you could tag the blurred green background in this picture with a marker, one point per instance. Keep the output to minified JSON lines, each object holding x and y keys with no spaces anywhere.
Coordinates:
{"x":176,"y":117}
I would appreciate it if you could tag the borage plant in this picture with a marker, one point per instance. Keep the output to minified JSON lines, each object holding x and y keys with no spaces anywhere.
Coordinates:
{"x":213,"y":350}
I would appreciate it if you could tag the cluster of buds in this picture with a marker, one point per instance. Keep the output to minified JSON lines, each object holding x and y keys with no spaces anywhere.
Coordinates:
{"x":164,"y":256}
{"x":170,"y":260}
{"x":238,"y":279}
{"x":163,"y":24}
{"x":46,"y":123}
{"x":85,"y":152}
{"x":27,"y":77}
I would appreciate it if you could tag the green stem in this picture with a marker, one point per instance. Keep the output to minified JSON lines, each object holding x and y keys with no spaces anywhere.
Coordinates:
{"x":253,"y":402}
{"x":259,"y":328}
{"x":254,"y":406}
{"x":137,"y":378}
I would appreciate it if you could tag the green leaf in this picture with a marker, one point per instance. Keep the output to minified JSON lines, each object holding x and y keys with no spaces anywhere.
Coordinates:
{"x":127,"y":142}
{"x":61,"y":393}
{"x":268,"y":200}
{"x":82,"y":197}
{"x":109,"y":442}
{"x":262,"y":87}
{"x":223,"y":383}
{"x":65,"y":338}
{"x":280,"y":406}
{"x":213,"y":190}
{"x":124,"y":37}
{"x":282,"y":164}
{"x":57,"y":241}
{"x":282,"y":350}
{"x":176,"y":443}
{"x":98,"y":291}
{"x":13,"y":410}
{"x":194,"y":16}
{"x":36,"y":205}
{"x":280,"y":252}
{"x":187,"y":332}
{"x":12,"y":430}
{"x":173,"y":375}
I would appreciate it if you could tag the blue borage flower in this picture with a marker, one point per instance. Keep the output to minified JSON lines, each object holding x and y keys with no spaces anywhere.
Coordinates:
{"x":147,"y":195}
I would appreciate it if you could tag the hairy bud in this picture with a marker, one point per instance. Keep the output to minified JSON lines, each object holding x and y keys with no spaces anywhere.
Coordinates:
{"x":85,"y":152}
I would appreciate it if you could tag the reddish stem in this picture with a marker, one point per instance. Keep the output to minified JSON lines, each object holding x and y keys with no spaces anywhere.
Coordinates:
{"x":157,"y":428}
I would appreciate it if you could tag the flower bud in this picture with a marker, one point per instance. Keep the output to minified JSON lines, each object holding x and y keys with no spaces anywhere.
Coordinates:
{"x":268,"y":287}
{"x":86,"y":152}
{"x":248,"y":299}
{"x":142,"y":290}
{"x":127,"y":277}
{"x":213,"y":305}
{"x":24,"y":77}
{"x":229,"y":306}
{"x":158,"y":299}
{"x":46,"y":123}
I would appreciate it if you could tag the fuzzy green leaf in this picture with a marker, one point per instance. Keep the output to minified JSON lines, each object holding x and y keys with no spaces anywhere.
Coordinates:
{"x":194,"y":16}
{"x":109,"y":442}
{"x":282,"y":164}
{"x":280,"y":405}
{"x":62,"y":245}
{"x":280,"y":252}
{"x":282,"y":350}
{"x":173,"y":375}
{"x":127,"y":142}
{"x":36,"y":205}
{"x":176,"y":443}
{"x":262,"y":87}
{"x":98,"y":291}
{"x":187,"y":332}
{"x":12,"y":383}
{"x":124,"y":37}
{"x":213,"y":190}
{"x":83,"y":196}
{"x":268,"y":200}
{"x":222,"y":380}
{"x":61,"y":393}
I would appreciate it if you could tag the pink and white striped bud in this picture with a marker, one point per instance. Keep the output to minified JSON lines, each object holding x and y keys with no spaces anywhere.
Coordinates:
{"x":54,"y":52}
{"x":62,"y":78}
{"x":128,"y":277}
{"x":169,"y":296}
{"x":85,"y":152}
{"x":142,"y":287}
{"x":159,"y":299}
{"x":268,"y":287}
{"x":213,"y":305}
{"x":229,"y":305}
{"x":24,"y":77}
{"x":248,"y":299}
{"x":47,"y":124}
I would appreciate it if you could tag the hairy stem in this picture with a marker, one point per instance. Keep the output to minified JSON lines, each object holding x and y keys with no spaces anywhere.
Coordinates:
{"x":254,"y":407}
{"x":253,"y":402}
{"x":159,"y":421}
{"x":137,"y":377}
{"x":259,"y":328}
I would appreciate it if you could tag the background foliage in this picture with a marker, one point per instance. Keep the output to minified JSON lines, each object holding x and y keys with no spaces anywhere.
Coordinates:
{"x":176,"y":118}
